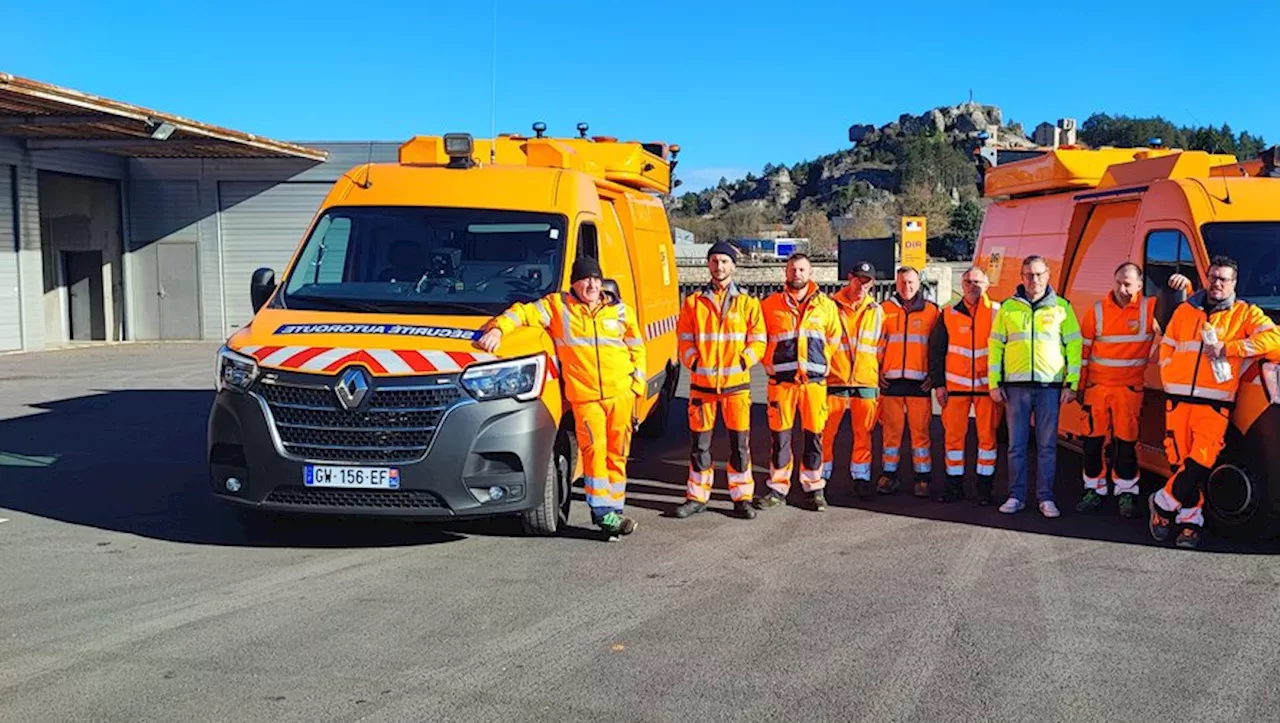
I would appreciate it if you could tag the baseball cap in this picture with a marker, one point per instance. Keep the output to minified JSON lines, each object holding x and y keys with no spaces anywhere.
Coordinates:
{"x":864,"y":269}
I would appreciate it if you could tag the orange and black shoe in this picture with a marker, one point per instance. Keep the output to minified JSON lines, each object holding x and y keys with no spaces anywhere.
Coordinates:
{"x":1159,"y":522}
{"x":1188,"y":537}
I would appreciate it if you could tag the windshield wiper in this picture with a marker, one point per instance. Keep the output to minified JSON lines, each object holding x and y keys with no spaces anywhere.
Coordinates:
{"x":345,"y":304}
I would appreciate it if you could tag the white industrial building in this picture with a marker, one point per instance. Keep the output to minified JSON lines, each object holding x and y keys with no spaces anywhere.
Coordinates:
{"x":123,"y":223}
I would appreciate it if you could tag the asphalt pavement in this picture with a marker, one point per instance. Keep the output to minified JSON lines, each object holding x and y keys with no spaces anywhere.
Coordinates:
{"x":128,"y":594}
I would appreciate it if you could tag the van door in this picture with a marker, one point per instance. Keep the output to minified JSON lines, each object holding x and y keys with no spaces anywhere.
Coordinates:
{"x":1107,"y":242}
{"x":615,"y":262}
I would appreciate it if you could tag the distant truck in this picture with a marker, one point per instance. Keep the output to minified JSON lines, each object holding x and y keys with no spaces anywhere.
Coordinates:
{"x":356,"y":390}
{"x":1089,"y":210}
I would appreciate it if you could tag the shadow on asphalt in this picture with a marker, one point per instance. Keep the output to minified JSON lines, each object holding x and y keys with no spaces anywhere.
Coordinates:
{"x":1105,"y":525}
{"x":134,"y":462}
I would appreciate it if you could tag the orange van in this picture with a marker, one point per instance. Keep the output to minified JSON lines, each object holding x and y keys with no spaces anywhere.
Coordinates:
{"x":356,"y":389}
{"x":1087,"y":211}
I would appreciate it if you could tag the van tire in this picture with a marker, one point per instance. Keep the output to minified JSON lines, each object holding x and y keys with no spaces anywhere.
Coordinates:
{"x":1247,"y":511}
{"x":551,"y":515}
{"x":655,"y":425}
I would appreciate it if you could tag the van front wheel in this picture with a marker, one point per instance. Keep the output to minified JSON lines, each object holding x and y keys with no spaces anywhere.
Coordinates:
{"x":1243,"y":489}
{"x":552,"y":513}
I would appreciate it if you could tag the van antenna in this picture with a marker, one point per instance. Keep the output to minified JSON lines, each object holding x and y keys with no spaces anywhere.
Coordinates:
{"x":1217,"y":145}
{"x":493,"y":104}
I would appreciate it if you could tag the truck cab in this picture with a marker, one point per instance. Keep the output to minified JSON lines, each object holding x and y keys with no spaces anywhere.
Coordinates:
{"x":1087,"y":211}
{"x":356,"y":389}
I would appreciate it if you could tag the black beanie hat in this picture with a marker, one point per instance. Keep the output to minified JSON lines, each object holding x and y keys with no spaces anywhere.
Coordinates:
{"x":583,"y":268}
{"x":723,"y":247}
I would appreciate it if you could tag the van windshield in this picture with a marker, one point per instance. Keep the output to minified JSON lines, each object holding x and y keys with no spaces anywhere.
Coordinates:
{"x":1255,"y":246}
{"x":428,"y":260}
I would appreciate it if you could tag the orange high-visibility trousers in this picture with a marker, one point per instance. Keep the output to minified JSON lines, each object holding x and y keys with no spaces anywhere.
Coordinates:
{"x":955,"y":423}
{"x":702,"y":421}
{"x":862,"y":421}
{"x":895,"y":412}
{"x":1115,"y":412}
{"x":1195,"y":434}
{"x":810,"y":398}
{"x":604,"y":440}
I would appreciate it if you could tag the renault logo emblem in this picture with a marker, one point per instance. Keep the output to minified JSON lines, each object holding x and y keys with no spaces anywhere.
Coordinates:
{"x":351,"y":388}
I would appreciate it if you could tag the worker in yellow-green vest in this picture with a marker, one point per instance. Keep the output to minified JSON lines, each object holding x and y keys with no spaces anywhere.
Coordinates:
{"x":1034,"y":367}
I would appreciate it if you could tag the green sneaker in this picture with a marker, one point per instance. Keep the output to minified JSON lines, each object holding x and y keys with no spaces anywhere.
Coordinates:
{"x":769,"y":501}
{"x":1128,"y":504}
{"x":1090,"y":502}
{"x":616,"y":524}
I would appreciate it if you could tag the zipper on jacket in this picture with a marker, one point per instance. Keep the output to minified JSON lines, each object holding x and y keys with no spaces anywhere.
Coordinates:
{"x":1195,"y":371}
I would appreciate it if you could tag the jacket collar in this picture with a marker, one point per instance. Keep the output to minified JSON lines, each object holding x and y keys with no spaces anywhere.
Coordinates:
{"x":1049,"y":296}
{"x":731,"y":290}
{"x":1200,"y":300}
{"x":962,"y":306}
{"x":916,"y":304}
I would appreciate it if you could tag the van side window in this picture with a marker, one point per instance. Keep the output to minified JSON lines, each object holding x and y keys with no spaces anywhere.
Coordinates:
{"x":588,"y":241}
{"x":1167,"y":253}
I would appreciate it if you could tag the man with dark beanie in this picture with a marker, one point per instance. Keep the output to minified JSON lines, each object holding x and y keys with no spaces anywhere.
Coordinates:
{"x":721,"y":336}
{"x":602,"y":363}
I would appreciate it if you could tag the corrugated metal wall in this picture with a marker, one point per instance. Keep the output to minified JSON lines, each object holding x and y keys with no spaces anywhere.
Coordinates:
{"x":10,"y":294}
{"x":261,"y":224}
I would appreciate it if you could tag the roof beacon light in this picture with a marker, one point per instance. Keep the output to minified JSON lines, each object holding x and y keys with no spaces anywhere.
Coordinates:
{"x":1155,"y":143}
{"x":582,"y":130}
{"x":458,"y":147}
{"x":539,"y":128}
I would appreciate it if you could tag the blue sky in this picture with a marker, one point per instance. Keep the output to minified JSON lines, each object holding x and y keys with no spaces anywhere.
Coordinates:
{"x":737,"y":85}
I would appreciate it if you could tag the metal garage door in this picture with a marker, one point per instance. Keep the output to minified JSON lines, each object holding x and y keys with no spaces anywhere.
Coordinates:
{"x":262,"y":224}
{"x":10,"y":309}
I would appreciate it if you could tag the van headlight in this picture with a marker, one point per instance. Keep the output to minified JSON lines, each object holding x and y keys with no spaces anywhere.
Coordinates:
{"x":520,"y":379}
{"x":235,"y":370}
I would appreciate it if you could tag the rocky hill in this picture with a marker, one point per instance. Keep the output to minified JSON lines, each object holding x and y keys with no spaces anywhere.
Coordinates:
{"x":917,"y":165}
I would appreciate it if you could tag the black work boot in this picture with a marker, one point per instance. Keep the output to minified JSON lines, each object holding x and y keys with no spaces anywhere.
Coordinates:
{"x":888,"y":483}
{"x":1090,"y":501}
{"x":819,"y":500}
{"x":864,"y":488}
{"x":985,"y":498}
{"x":1188,"y":537}
{"x":954,"y":491}
{"x":743,"y":509}
{"x":691,"y":507}
{"x":1128,"y":504}
{"x":921,"y":488}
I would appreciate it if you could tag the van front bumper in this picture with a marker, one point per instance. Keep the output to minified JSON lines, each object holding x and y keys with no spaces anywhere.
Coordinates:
{"x":475,"y":447}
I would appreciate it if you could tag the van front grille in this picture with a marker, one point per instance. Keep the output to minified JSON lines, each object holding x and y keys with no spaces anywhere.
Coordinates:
{"x":395,"y":426}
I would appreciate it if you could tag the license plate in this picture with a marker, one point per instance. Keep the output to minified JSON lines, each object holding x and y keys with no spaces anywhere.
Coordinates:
{"x":378,"y":478}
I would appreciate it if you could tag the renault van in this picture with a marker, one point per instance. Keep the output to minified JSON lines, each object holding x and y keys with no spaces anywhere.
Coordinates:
{"x":356,"y":389}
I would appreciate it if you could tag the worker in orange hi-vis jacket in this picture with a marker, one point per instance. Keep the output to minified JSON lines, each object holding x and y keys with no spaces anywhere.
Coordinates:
{"x":721,"y":336}
{"x":1118,"y":332}
{"x":853,"y":384}
{"x":958,"y":369}
{"x":909,"y":319}
{"x":602,"y":364}
{"x":1202,"y":356}
{"x":803,"y":329}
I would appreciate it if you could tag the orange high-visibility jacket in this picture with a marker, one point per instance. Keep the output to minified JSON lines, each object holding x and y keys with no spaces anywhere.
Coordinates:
{"x":904,"y":344}
{"x":856,"y":362}
{"x":958,"y":347}
{"x":720,"y":339}
{"x":601,"y":351}
{"x":1117,"y":341}
{"x":801,"y":338}
{"x":1185,"y":369}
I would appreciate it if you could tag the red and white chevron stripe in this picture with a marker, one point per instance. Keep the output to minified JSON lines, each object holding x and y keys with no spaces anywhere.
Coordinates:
{"x":390,"y":362}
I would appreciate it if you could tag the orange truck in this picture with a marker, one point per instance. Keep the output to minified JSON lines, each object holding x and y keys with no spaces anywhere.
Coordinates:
{"x":1088,"y":210}
{"x":356,"y":388}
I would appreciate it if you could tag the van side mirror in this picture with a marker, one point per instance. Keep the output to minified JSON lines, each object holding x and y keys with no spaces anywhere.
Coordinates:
{"x":1167,"y":301}
{"x":261,"y":285}
{"x":611,"y":286}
